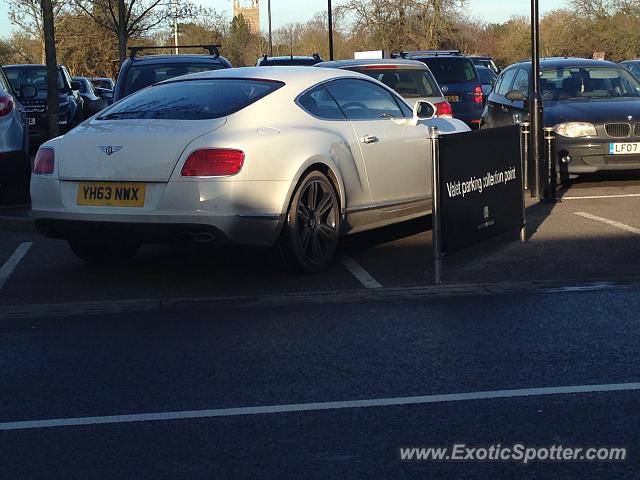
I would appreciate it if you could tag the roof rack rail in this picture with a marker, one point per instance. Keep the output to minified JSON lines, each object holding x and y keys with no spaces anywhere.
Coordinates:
{"x":431,"y":53}
{"x":213,"y":49}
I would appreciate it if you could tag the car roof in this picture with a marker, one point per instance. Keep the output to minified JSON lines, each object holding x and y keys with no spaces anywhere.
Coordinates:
{"x":297,"y":76}
{"x":180,"y":58}
{"x":372,"y":62}
{"x":555,"y":62}
{"x":28,"y":65}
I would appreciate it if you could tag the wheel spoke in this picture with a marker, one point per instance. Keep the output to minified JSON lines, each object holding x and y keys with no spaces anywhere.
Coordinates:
{"x":312,"y":192}
{"x":316,"y":248}
{"x":305,"y":238}
{"x":327,"y":232}
{"x":326,"y":204}
{"x":303,"y":213}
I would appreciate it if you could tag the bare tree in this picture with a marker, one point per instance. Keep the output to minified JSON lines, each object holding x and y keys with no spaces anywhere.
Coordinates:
{"x":125,"y":18}
{"x":27,"y":15}
{"x":52,"y":66}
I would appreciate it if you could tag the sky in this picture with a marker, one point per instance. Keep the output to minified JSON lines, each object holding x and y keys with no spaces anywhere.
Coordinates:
{"x":288,"y":11}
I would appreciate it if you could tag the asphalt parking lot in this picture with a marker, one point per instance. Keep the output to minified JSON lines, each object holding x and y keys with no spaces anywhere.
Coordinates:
{"x":208,"y":364}
{"x":575,"y":240}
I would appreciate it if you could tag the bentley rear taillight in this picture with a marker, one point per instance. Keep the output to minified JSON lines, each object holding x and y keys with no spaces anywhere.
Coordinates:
{"x":213,"y":162}
{"x":44,"y":162}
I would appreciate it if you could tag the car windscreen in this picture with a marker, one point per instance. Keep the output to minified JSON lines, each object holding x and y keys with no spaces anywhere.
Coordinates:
{"x":36,"y":76}
{"x":192,"y":99}
{"x":568,"y":82}
{"x":408,"y":82}
{"x":451,"y":70}
{"x":141,"y":76}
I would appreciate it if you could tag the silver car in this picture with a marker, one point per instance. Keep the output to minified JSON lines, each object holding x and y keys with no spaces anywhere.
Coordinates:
{"x":14,"y":146}
{"x":291,"y":156}
{"x":410,"y":78}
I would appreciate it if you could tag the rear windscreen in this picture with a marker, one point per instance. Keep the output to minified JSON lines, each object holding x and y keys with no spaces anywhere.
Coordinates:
{"x":451,"y":70}
{"x":192,"y":99}
{"x":141,"y":76}
{"x":408,"y":82}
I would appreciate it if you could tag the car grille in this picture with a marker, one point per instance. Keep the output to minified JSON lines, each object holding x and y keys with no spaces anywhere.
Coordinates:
{"x":637,"y":130}
{"x":34,"y":106}
{"x":618,"y":130}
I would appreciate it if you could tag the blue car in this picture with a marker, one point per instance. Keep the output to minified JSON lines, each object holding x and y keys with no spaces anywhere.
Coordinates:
{"x":137,"y":72}
{"x":458,"y":79}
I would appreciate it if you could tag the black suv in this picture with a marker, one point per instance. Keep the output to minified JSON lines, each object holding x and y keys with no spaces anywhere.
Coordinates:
{"x":458,"y":78}
{"x":286,"y":61}
{"x":70,"y":102}
{"x":137,"y":73}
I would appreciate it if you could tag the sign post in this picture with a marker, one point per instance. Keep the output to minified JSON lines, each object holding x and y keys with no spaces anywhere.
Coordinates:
{"x":535,"y":106}
{"x":434,"y":134}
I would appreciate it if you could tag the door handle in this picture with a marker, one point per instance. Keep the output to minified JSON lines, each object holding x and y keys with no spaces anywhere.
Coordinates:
{"x":369,"y":139}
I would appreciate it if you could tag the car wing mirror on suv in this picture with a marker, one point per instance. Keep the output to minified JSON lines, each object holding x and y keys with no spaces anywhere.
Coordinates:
{"x":75,"y":85}
{"x":28,"y":91}
{"x":515,"y":96}
{"x":423,"y":110}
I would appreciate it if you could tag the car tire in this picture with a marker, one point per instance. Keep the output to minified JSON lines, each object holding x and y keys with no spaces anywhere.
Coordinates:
{"x":309,"y":238}
{"x":101,"y":252}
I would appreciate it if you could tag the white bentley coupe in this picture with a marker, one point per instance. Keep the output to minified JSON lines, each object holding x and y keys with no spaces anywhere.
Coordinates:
{"x":293,"y":157}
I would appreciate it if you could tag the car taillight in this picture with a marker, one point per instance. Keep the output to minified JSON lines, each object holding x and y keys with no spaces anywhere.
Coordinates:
{"x":213,"y":162}
{"x":478,"y":96}
{"x":43,"y":164}
{"x":443,"y":109}
{"x":6,"y":104}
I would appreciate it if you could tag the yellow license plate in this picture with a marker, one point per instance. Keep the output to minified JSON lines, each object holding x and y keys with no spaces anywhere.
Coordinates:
{"x":111,"y":194}
{"x":452,"y":98}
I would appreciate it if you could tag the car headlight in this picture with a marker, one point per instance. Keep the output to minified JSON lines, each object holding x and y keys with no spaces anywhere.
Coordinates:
{"x":575,"y":129}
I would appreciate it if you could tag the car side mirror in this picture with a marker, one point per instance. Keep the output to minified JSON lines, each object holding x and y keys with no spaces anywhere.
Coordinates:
{"x":423,"y":110}
{"x":515,"y":96}
{"x":75,"y":85}
{"x":28,"y":91}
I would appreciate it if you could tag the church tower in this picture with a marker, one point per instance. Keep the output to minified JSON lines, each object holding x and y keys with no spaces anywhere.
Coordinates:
{"x":250,"y":13}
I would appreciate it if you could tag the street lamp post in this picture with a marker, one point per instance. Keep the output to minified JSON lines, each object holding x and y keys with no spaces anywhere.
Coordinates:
{"x":535,"y":108}
{"x":270,"y":40}
{"x":329,"y":15}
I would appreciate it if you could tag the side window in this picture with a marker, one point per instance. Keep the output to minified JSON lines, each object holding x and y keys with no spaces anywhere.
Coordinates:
{"x":67,"y":78}
{"x":522,"y":82}
{"x":505,"y":82}
{"x":363,"y":100}
{"x":4,"y":84}
{"x":319,"y":103}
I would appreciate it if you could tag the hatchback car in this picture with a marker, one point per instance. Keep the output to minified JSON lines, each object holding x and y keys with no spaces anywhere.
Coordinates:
{"x":410,"y":78}
{"x":288,"y":61}
{"x":137,"y":72}
{"x":93,"y":103}
{"x":291,"y":156}
{"x":488,"y":62}
{"x":458,"y":80}
{"x":593,"y":106}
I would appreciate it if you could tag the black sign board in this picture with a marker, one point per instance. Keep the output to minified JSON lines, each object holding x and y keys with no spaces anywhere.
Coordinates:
{"x":481,"y":191}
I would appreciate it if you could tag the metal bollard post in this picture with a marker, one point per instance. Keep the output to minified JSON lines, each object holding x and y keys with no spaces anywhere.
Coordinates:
{"x":434,"y":135}
{"x":524,"y":131}
{"x":551,"y":185}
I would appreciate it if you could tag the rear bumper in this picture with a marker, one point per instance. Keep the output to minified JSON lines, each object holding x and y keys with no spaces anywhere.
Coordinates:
{"x":247,"y":213}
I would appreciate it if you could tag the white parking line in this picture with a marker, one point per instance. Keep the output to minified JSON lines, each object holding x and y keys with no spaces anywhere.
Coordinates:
{"x":314,"y":407}
{"x":591,"y":197}
{"x":10,"y":265}
{"x":360,"y":273}
{"x":613,"y":223}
